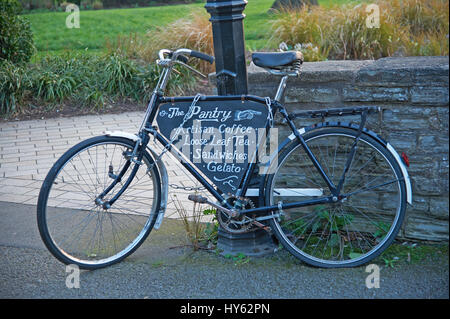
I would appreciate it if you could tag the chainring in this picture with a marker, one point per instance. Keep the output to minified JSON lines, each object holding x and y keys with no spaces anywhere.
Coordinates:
{"x":236,"y":225}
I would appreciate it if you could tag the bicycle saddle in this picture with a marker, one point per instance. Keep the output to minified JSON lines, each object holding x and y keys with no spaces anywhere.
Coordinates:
{"x":277,"y":60}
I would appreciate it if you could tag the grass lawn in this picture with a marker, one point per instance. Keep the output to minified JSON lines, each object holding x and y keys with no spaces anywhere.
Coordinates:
{"x":96,"y":26}
{"x":52,"y":36}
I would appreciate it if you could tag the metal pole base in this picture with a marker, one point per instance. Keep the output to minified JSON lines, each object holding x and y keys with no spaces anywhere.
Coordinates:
{"x":231,"y":75}
{"x":255,"y":243}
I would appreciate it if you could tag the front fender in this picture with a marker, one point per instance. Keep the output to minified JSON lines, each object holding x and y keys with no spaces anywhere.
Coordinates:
{"x":161,"y":170}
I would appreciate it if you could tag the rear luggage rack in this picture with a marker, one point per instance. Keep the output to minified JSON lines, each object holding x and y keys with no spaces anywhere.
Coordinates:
{"x":335,"y":112}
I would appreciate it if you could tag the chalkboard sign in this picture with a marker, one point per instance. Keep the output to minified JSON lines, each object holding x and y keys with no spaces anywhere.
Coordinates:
{"x":220,"y":137}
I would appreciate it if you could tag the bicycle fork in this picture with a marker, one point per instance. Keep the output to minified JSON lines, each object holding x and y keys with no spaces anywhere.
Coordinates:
{"x":135,"y":157}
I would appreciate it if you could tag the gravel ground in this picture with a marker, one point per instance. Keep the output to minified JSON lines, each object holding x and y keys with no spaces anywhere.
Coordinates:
{"x":32,"y":273}
{"x":158,"y":270}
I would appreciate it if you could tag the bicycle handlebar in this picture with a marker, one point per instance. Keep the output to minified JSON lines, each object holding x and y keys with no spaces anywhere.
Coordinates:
{"x":180,"y":57}
{"x":181,"y":54}
{"x":202,"y":56}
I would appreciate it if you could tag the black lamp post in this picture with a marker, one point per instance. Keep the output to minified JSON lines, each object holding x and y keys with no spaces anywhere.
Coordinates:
{"x":229,"y":48}
{"x":231,"y":73}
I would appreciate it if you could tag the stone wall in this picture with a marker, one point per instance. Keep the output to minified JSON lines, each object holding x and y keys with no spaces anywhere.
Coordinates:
{"x":413,"y":95}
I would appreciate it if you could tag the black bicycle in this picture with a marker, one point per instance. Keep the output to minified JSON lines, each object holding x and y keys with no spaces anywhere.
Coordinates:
{"x":334,"y":194}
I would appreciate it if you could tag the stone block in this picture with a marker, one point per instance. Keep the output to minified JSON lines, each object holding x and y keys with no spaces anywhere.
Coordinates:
{"x":313,"y":94}
{"x":426,"y":229}
{"x":404,"y":71}
{"x":420,"y":206}
{"x":375,"y":94}
{"x":406,"y":117}
{"x":427,"y":186}
{"x":404,"y":141}
{"x":325,"y":71}
{"x":439,"y":207}
{"x":429,"y":95}
{"x":255,"y":243}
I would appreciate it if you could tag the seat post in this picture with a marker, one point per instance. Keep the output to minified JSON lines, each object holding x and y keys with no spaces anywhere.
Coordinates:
{"x":281,"y":87}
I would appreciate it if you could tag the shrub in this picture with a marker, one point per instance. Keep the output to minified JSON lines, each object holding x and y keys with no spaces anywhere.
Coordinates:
{"x":299,"y":27}
{"x":54,"y":87}
{"x":194,"y":33}
{"x":97,"y":5}
{"x":352,"y":39}
{"x":86,"y":4}
{"x":421,"y":16}
{"x":408,"y":27}
{"x":123,"y":77}
{"x":64,"y":5}
{"x":427,"y":23}
{"x":338,"y":33}
{"x":310,"y":52}
{"x":55,"y":78}
{"x":86,"y":80}
{"x":119,"y":74}
{"x":13,"y":83}
{"x":16,"y":38}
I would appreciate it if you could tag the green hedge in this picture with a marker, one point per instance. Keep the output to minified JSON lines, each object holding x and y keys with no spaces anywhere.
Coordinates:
{"x":52,"y":4}
{"x":83,"y":80}
{"x":16,"y":38}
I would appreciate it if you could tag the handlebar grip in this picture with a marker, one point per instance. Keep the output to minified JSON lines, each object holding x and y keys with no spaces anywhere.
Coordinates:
{"x":202,"y":56}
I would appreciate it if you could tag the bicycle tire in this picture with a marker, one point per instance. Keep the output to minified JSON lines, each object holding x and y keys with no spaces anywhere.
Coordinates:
{"x":59,"y":214}
{"x":342,"y":217}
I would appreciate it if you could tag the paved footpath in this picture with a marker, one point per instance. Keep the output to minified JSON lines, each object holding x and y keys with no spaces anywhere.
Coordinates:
{"x":28,"y":149}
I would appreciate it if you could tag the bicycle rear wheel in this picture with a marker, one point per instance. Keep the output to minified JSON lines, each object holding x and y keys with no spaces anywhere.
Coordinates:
{"x":73,"y":224}
{"x":350,"y":232}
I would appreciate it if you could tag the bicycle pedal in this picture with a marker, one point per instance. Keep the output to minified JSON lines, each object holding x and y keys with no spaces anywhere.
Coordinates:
{"x":198,"y":199}
{"x":262,"y":226}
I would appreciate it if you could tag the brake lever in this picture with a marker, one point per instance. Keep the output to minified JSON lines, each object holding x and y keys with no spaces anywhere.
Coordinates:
{"x":163,"y":62}
{"x":192,"y":69}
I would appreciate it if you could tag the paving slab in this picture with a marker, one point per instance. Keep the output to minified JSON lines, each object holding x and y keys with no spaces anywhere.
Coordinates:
{"x":28,"y":149}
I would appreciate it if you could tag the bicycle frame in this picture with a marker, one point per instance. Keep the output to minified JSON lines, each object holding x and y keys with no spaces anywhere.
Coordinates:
{"x":157,"y":98}
{"x":146,"y":128}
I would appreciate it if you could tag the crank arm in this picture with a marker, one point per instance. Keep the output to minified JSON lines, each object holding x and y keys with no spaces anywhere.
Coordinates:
{"x":203,"y":200}
{"x":260,"y":225}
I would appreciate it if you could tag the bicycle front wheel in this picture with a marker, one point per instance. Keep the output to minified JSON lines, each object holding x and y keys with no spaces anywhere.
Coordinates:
{"x":352,"y":231}
{"x":74,"y":225}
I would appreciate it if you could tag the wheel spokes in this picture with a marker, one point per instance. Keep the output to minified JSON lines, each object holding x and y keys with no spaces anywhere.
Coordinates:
{"x":81,"y":228}
{"x":360,"y":221}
